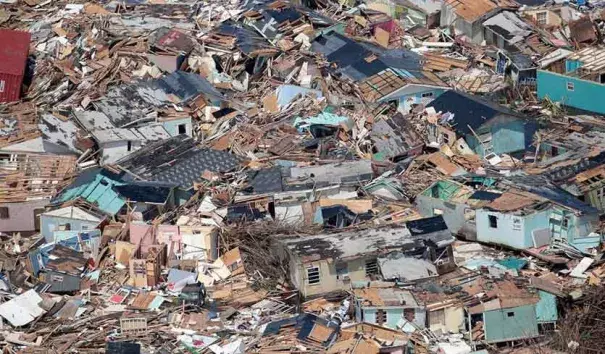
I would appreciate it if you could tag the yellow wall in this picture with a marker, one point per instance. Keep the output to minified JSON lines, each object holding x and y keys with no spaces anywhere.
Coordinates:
{"x":552,"y":19}
{"x":454,"y":318}
{"x":327,"y":273}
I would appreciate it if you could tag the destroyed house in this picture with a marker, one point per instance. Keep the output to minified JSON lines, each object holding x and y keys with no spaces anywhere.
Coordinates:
{"x":117,"y":143}
{"x":13,"y":62}
{"x":456,"y":203}
{"x":486,"y":127}
{"x":27,"y":184}
{"x":563,"y":220}
{"x":467,"y":16}
{"x":23,"y":133}
{"x":395,"y":138}
{"x":110,"y":192}
{"x":389,"y":307}
{"x":328,"y":262}
{"x":582,"y":80}
{"x":395,"y":76}
{"x":507,"y":31}
{"x":423,"y":13}
{"x":70,"y":218}
{"x":505,"y":312}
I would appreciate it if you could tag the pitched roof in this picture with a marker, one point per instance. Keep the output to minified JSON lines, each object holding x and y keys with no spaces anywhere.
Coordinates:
{"x":73,"y":212}
{"x":469,"y":111}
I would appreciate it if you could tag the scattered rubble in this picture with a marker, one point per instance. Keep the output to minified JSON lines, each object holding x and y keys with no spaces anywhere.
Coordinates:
{"x":229,"y":177}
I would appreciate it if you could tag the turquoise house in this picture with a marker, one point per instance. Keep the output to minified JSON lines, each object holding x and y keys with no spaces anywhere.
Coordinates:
{"x":486,"y":127}
{"x":522,"y":220}
{"x":506,"y":312}
{"x":389,"y":307}
{"x":508,"y":324}
{"x":582,"y":81}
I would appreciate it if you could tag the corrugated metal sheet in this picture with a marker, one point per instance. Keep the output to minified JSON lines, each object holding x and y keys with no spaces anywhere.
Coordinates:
{"x":10,"y":87}
{"x":13,"y":57}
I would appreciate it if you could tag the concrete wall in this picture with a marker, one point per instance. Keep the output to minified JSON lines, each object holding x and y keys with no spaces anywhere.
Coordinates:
{"x":21,"y":215}
{"x":49,"y":224}
{"x":554,"y":86}
{"x":510,"y":324}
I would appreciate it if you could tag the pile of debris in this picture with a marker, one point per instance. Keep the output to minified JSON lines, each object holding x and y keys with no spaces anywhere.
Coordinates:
{"x":414,"y":176}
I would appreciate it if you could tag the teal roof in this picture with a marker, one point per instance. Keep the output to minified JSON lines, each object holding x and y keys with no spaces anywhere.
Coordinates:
{"x":95,"y":188}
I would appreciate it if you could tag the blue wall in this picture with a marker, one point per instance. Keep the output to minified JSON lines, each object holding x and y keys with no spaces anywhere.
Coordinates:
{"x":500,"y":327}
{"x":394,"y":316}
{"x":586,"y":94}
{"x":406,"y":101}
{"x":508,"y":135}
{"x":172,"y":126}
{"x":48,"y":224}
{"x":546,"y":309}
{"x":510,"y":230}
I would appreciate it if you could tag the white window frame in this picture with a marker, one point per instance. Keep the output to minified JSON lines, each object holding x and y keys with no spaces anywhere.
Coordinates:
{"x":570,"y":86}
{"x":542,"y":20}
{"x":2,"y":85}
{"x":313,"y":269}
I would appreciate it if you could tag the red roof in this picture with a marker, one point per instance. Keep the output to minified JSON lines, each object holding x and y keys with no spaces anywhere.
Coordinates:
{"x":13,"y":51}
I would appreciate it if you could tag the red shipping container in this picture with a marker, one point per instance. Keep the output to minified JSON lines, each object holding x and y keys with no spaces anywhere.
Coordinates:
{"x":14,"y":49}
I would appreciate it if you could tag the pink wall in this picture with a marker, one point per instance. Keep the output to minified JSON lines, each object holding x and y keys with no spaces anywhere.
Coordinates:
{"x":21,"y":215}
{"x":142,"y":234}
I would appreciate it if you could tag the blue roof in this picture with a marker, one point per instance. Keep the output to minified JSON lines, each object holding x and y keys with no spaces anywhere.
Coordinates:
{"x":96,"y":187}
{"x":187,"y":86}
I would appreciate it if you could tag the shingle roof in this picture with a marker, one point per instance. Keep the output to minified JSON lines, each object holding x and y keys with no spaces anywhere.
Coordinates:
{"x":178,"y":160}
{"x":468,"y":110}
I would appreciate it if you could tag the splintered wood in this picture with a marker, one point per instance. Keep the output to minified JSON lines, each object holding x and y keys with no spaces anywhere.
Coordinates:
{"x":26,"y":177}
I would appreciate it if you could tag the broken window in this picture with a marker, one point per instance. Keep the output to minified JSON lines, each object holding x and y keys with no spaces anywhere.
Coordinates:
{"x":493,"y":221}
{"x":313,"y":275}
{"x":371,"y":266}
{"x":182,"y":129}
{"x":570,"y":86}
{"x":342,"y":269}
{"x":516,"y":224}
{"x":381,"y":316}
{"x":409,"y":314}
{"x":445,"y":139}
{"x":437,"y":317}
{"x":4,"y":213}
{"x":541,"y":18}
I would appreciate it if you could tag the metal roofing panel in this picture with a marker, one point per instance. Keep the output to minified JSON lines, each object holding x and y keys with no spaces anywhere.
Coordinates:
{"x":13,"y":51}
{"x":23,"y":309}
